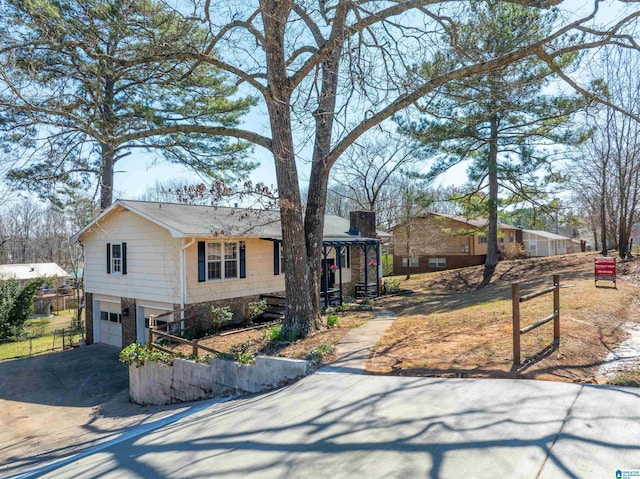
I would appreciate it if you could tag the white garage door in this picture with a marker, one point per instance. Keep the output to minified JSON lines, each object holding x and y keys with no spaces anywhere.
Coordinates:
{"x":110,"y":324}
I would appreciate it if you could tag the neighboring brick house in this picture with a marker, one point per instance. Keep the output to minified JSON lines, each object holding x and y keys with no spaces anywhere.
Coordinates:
{"x":438,"y":241}
{"x":143,"y":258}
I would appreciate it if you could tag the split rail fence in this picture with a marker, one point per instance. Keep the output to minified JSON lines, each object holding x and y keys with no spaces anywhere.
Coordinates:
{"x":516,"y":299}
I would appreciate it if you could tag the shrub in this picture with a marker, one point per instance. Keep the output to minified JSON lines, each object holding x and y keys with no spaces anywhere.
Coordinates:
{"x":16,"y":305}
{"x":256,"y":308}
{"x":320,"y":352}
{"x":138,"y":354}
{"x":514,"y":251}
{"x":392,"y":285}
{"x":221,"y":315}
{"x":332,"y":320}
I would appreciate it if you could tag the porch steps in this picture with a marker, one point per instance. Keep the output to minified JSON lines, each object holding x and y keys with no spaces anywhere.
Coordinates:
{"x":275,"y":307}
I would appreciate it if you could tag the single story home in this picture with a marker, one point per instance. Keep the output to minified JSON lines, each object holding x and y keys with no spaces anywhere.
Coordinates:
{"x":27,"y":272}
{"x":438,"y":241}
{"x":143,"y":258}
{"x":543,"y":243}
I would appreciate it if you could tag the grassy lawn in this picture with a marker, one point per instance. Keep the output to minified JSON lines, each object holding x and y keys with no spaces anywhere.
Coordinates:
{"x":44,"y":337}
{"x":447,"y":328}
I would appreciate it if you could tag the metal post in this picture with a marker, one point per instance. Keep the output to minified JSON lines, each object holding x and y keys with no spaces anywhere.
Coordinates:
{"x":556,"y":310}
{"x":515,"y":306}
{"x":379,"y":266}
{"x":366,"y":272}
{"x":63,"y":339}
{"x":340,"y":265}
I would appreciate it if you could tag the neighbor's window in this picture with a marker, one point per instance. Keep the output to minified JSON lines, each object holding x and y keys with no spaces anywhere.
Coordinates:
{"x":116,"y":258}
{"x":437,"y":262}
{"x":511,"y":237}
{"x":410,"y":262}
{"x":482,"y":238}
{"x":222,"y":260}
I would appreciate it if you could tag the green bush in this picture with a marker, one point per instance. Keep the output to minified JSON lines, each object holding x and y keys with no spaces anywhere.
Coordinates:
{"x":137,"y":354}
{"x":16,"y":305}
{"x":221,"y":315}
{"x":256,"y":308}
{"x":392,"y":285}
{"x":332,"y":320}
{"x":321,"y":351}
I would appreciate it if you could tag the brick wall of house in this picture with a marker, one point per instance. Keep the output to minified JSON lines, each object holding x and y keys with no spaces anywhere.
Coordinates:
{"x":129,"y":329}
{"x":452,"y":262}
{"x":88,"y":315}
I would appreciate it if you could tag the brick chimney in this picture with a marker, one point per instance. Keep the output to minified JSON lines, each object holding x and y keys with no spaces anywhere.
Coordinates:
{"x":363,"y":223}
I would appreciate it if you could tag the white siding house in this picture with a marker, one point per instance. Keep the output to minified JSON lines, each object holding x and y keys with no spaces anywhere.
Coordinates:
{"x":542,"y":243}
{"x":144,"y":258}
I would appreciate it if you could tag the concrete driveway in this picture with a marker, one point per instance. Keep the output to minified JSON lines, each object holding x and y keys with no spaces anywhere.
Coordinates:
{"x":337,"y":425}
{"x":55,"y":404}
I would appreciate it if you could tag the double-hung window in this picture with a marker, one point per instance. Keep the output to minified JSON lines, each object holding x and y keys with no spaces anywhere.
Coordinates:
{"x":222,"y":261}
{"x":117,"y":258}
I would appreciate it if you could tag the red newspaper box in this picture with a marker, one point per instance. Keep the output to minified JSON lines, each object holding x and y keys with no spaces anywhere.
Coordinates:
{"x":606,"y":269}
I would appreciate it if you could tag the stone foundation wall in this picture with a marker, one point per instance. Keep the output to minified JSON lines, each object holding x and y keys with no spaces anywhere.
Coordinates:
{"x":159,"y":383}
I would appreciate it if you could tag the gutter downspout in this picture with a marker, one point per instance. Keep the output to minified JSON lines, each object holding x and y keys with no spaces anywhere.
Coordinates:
{"x":183,"y":276}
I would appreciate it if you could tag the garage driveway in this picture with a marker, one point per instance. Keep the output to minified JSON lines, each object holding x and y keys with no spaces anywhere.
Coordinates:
{"x":54,"y":404}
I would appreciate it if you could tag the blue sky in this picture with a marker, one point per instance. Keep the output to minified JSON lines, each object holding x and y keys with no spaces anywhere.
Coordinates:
{"x":136,"y":173}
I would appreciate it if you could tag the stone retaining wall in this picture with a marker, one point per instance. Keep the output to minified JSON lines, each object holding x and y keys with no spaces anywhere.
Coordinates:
{"x":160,"y":383}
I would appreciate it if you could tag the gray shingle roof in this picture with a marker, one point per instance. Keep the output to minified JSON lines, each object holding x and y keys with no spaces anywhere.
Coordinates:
{"x":197,"y":221}
{"x":546,"y":235}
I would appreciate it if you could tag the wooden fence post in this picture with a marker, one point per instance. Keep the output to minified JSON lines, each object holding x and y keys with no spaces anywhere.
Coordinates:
{"x":556,"y":310}
{"x":152,"y":324}
{"x":194,"y":344}
{"x":515,"y":302}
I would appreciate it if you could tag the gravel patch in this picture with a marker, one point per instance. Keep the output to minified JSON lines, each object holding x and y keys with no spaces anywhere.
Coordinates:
{"x":626,"y":356}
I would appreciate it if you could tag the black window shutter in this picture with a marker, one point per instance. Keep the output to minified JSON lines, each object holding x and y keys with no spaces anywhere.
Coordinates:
{"x":243,"y":261}
{"x":124,"y":258}
{"x":276,"y":258}
{"x":108,"y":258}
{"x":201,"y":262}
{"x":348,"y":265}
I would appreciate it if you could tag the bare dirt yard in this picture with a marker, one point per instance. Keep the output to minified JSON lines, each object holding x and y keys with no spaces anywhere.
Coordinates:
{"x":260,"y":342}
{"x":447,"y":328}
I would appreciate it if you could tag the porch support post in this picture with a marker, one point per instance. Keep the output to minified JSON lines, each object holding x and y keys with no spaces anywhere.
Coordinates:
{"x":339,"y":259}
{"x":366,"y":271}
{"x":325,"y":271}
{"x":379,"y":266}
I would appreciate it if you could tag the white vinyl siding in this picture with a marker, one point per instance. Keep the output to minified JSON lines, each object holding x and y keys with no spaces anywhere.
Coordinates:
{"x":153,"y":260}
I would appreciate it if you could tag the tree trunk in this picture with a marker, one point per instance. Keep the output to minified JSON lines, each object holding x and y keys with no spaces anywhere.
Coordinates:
{"x":106,"y":183}
{"x":301,"y":315}
{"x":492,"y":233}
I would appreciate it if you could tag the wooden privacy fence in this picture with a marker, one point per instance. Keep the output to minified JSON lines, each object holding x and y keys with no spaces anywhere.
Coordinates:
{"x":156,"y":332}
{"x":516,"y":299}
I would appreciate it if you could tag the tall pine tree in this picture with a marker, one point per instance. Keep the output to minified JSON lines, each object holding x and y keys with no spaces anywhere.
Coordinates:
{"x":84,"y":84}
{"x":503,"y":121}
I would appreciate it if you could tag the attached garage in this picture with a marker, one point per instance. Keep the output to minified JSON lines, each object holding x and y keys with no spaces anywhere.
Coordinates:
{"x":110,"y":323}
{"x":143,"y":314}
